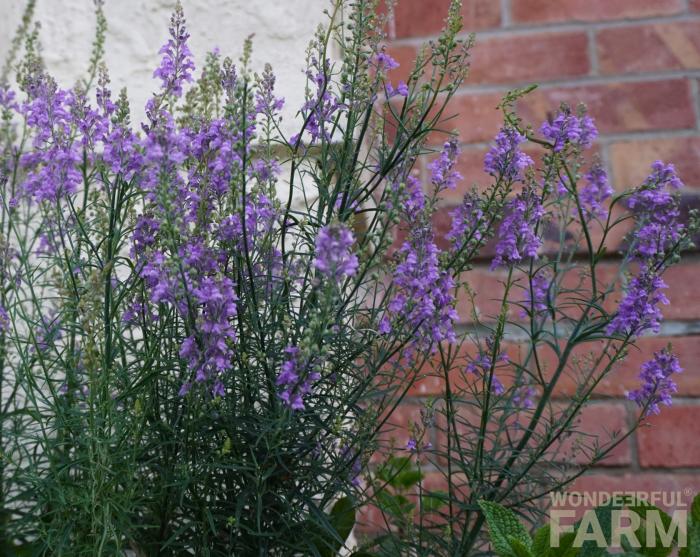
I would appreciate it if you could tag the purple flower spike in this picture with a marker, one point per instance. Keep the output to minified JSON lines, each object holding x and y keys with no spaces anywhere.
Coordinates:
{"x":517,"y":237}
{"x":657,"y":386}
{"x":571,"y":128}
{"x":333,"y":256}
{"x":639,"y":311}
{"x":505,"y":158}
{"x":595,"y":192}
{"x":177,"y":64}
{"x":442,"y":170}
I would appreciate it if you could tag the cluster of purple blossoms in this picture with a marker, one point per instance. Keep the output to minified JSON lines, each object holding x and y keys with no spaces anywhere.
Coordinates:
{"x":334,"y":257}
{"x":4,"y":320}
{"x":505,"y":158}
{"x":423,"y":292}
{"x":639,"y":310}
{"x":401,"y":90}
{"x":594,"y":193}
{"x":348,"y":454}
{"x":412,"y":445}
{"x":517,"y":238}
{"x":319,"y":109}
{"x":48,"y":332}
{"x":657,"y":385}
{"x":295,"y":378}
{"x":524,"y":397}
{"x":482,"y":365}
{"x":442,"y":170}
{"x":410,"y":198}
{"x":212,"y":355}
{"x":658,"y":215}
{"x":384,"y":62}
{"x":567,"y":127}
{"x":53,"y":163}
{"x":176,"y":65}
{"x":467,"y":221}
{"x":657,"y":232}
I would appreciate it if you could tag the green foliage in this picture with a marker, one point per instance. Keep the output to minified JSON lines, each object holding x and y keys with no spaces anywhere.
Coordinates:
{"x":509,"y":538}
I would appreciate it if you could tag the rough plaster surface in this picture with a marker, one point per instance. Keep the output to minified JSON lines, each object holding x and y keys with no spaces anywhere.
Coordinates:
{"x":138,"y":28}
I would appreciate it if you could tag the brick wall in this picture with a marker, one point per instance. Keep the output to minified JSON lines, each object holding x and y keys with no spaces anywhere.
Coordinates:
{"x":636,"y":64}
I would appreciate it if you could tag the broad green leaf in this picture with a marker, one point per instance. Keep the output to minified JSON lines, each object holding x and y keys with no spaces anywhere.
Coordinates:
{"x":693,"y":547}
{"x":695,"y":510}
{"x":390,"y":470}
{"x":503,"y":526}
{"x":657,"y":549}
{"x":541,"y":543}
{"x":603,"y":514}
{"x":408,"y":478}
{"x":395,"y":505}
{"x":519,"y":549}
{"x":343,"y":516}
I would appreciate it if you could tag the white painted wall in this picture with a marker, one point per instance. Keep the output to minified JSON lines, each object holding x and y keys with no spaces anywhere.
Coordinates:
{"x":138,"y":28}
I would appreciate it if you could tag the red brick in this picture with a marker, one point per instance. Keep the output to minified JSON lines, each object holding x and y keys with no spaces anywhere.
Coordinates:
{"x":683,"y":292}
{"x":537,"y":56}
{"x":405,"y":55}
{"x":695,"y":5}
{"x":671,"y":439}
{"x":418,"y":19}
{"x":599,"y":423}
{"x":625,"y":375}
{"x":645,"y":48}
{"x":431,"y":380}
{"x":620,"y":107}
{"x":475,"y":116}
{"x":631,"y":160}
{"x":396,"y":431}
{"x":529,"y":11}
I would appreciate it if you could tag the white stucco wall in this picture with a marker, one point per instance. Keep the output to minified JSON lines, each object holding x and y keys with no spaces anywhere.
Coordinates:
{"x":138,"y":28}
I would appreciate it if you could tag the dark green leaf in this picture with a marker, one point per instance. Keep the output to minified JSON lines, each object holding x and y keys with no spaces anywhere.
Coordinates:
{"x":504,"y":526}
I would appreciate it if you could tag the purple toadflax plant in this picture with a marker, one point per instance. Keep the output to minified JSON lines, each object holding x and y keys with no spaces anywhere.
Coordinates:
{"x":206,"y":326}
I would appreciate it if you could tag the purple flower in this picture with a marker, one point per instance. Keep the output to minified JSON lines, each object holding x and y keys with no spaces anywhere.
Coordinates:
{"x":412,"y":445}
{"x":423,"y":292}
{"x":401,"y":90}
{"x":639,"y":311}
{"x":516,"y":235}
{"x":593,"y":194}
{"x":320,"y":108}
{"x":656,"y":383}
{"x":442,"y":170}
{"x":410,"y":198}
{"x":265,"y":100}
{"x":296,"y":378}
{"x":209,"y":354}
{"x":334,"y":257}
{"x":384,"y":62}
{"x":567,"y":127}
{"x":523,"y":397}
{"x":483,"y":365}
{"x":4,"y":320}
{"x":177,"y":64}
{"x":144,"y":235}
{"x":467,"y":221}
{"x":657,"y":213}
{"x":349,"y":455}
{"x":504,"y":158}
